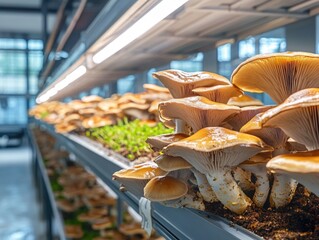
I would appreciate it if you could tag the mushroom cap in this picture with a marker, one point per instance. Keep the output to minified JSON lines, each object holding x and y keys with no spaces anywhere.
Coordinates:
{"x":72,"y":118}
{"x":257,"y":162}
{"x":274,"y":137}
{"x":154,"y":107}
{"x":64,"y":127}
{"x":164,"y":188}
{"x":107,"y":104}
{"x":160,"y":141}
{"x":154,"y":88}
{"x":278,"y":74}
{"x":132,"y":105}
{"x":97,"y":121}
{"x":73,"y":231}
{"x":245,"y":115}
{"x":87,"y":111}
{"x":220,"y":93}
{"x":297,"y":117}
{"x":244,"y":101}
{"x":92,"y":99}
{"x":216,"y":147}
{"x":294,"y":146}
{"x":169,"y":163}
{"x":102,"y":223}
{"x":92,"y":214}
{"x":197,"y":112}
{"x":131,"y":97}
{"x":181,"y":84}
{"x":302,"y":166}
{"x":131,"y":229}
{"x":78,"y":104}
{"x":145,"y":171}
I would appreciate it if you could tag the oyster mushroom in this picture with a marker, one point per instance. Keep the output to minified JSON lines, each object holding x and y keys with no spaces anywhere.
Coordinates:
{"x":220,"y":93}
{"x":92,"y":99}
{"x":97,"y":121}
{"x":73,"y":231}
{"x":198,"y":112}
{"x":134,"y":179}
{"x":154,"y":88}
{"x":158,"y":142}
{"x":213,"y":151}
{"x":278,"y":74}
{"x":257,"y":166}
{"x":302,"y":166}
{"x":181,"y":84}
{"x":244,"y":101}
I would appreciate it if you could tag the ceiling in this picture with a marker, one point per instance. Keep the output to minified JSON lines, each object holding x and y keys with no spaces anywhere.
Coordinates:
{"x":199,"y":25}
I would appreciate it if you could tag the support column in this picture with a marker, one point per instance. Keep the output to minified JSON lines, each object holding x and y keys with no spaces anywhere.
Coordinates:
{"x":210,"y":62}
{"x":301,"y":36}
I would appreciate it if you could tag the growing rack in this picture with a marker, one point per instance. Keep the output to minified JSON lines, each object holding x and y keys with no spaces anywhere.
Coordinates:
{"x":171,"y":223}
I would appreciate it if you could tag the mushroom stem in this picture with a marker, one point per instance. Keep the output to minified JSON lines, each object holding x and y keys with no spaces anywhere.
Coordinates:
{"x":204,"y":188}
{"x":261,"y":188}
{"x":283,"y":188}
{"x":181,"y":126}
{"x":189,"y":200}
{"x":227,"y":190}
{"x":282,"y":191}
{"x":242,"y":178}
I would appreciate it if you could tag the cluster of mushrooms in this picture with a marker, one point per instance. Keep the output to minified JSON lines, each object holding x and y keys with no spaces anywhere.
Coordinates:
{"x":81,"y":197}
{"x":94,"y":111}
{"x":226,"y":144}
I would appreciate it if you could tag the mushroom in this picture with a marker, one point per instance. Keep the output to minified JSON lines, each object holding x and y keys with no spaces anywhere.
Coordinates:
{"x":302,"y":166}
{"x":135,"y":178}
{"x":294,"y":146}
{"x":158,"y":142}
{"x":154,"y":88}
{"x":131,"y":98}
{"x":99,"y":202}
{"x":97,"y":121}
{"x":92,"y":214}
{"x":64,"y":127}
{"x":133,"y":229}
{"x":213,"y":151}
{"x":73,"y":231}
{"x":66,"y":205}
{"x":136,"y":110}
{"x":172,"y":164}
{"x":198,"y":112}
{"x":244,"y":101}
{"x":297,"y":117}
{"x":92,"y":99}
{"x":219,"y":93}
{"x":257,"y":166}
{"x":278,"y":74}
{"x":181,"y":84}
{"x":172,"y":192}
{"x":102,"y":223}
{"x":283,"y":188}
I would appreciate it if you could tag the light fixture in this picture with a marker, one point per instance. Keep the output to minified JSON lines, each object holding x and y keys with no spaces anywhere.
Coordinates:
{"x":71,"y":77}
{"x":145,"y":23}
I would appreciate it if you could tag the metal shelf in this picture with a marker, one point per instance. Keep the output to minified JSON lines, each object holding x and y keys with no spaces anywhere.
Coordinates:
{"x":172,"y":223}
{"x":50,"y":207}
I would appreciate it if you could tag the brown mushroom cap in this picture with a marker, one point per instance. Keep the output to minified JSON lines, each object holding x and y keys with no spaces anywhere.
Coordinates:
{"x":278,"y":74}
{"x":155,"y":88}
{"x":216,"y":147}
{"x":160,"y":141}
{"x":132,"y":229}
{"x":92,"y":99}
{"x":244,"y":101}
{"x":73,"y":231}
{"x":97,"y":121}
{"x":92,"y":214}
{"x":181,"y":84}
{"x":164,"y":188}
{"x":169,"y":163}
{"x":102,"y":223}
{"x":64,"y":127}
{"x":302,"y":166}
{"x":297,"y":117}
{"x":131,"y":97}
{"x":107,"y":104}
{"x":220,"y":93}
{"x":197,"y":112}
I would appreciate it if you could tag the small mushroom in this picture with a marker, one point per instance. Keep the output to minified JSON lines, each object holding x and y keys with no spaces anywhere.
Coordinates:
{"x":302,"y":166}
{"x":278,"y":74}
{"x":213,"y":151}
{"x":92,"y":214}
{"x":154,"y":88}
{"x":103,"y":223}
{"x":158,"y":142}
{"x":92,"y":99}
{"x":244,"y":101}
{"x":134,"y":179}
{"x":220,"y":93}
{"x":97,"y":121}
{"x":198,"y":112}
{"x":257,"y":166}
{"x":73,"y":231}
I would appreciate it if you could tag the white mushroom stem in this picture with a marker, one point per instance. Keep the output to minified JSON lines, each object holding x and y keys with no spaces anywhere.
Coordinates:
{"x":204,"y":188}
{"x":261,"y":188}
{"x":181,"y":126}
{"x":227,"y":190}
{"x":243,"y":179}
{"x":189,"y":200}
{"x":283,"y":188}
{"x":282,"y":191}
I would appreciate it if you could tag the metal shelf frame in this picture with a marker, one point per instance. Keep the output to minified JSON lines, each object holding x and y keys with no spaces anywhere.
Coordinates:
{"x":171,"y":223}
{"x":52,"y":215}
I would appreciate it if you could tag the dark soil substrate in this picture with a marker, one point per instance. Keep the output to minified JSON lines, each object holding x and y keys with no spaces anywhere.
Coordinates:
{"x":299,"y":220}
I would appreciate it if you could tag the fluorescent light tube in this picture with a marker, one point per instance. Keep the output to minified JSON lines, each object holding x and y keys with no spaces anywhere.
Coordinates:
{"x":145,"y":23}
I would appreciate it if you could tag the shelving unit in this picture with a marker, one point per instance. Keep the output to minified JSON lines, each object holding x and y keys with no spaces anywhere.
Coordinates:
{"x":53,"y":217}
{"x":171,"y":223}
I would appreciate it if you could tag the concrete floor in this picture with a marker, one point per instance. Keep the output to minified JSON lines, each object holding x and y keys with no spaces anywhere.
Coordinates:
{"x":19,"y":210}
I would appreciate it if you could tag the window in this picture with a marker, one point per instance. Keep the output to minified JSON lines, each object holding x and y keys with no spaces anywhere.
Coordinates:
{"x":224,"y":53}
{"x":271,"y":45}
{"x":12,"y":43}
{"x":192,"y":64}
{"x":13,"y":110}
{"x":126,"y":84}
{"x":247,"y":48}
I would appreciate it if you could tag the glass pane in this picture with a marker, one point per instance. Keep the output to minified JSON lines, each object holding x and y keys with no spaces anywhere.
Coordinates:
{"x":126,"y":84}
{"x":192,"y":64}
{"x":95,"y":91}
{"x":35,"y":44}
{"x":13,"y":110}
{"x":247,"y":48}
{"x":33,"y":80}
{"x":271,"y":45}
{"x":224,"y":53}
{"x":10,"y":83}
{"x":9,"y":43}
{"x":12,"y":62}
{"x":35,"y":61}
{"x":225,"y":69}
